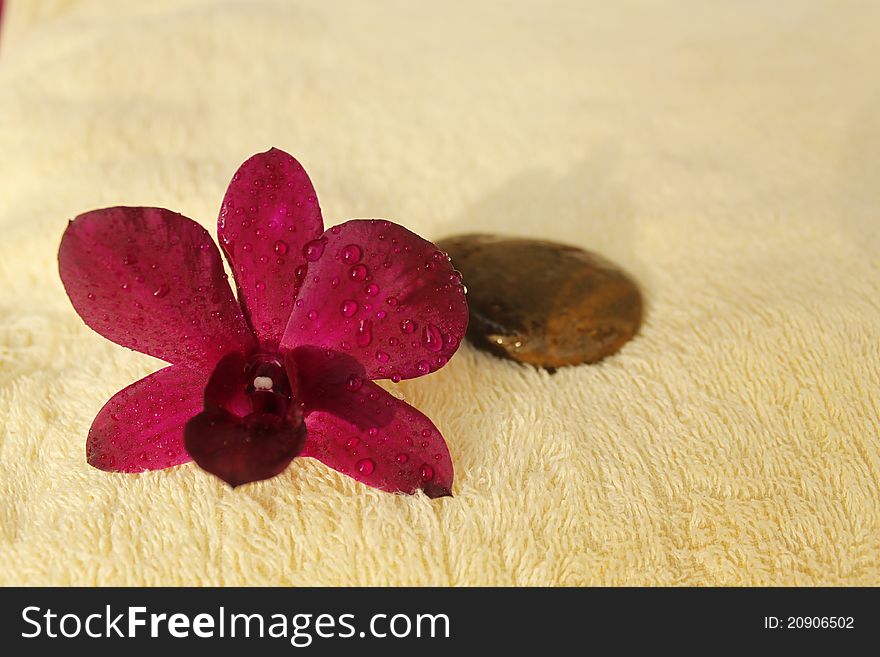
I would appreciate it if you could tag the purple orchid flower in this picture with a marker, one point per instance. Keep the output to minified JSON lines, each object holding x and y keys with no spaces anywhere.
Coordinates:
{"x":288,"y":369}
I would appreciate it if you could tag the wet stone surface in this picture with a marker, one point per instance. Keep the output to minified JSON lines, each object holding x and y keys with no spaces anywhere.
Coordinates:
{"x":544,"y":303}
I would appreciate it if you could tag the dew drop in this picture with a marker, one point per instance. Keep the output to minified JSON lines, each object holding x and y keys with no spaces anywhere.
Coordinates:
{"x":348,"y":308}
{"x":381,"y":314}
{"x":312,"y":315}
{"x":352,"y":442}
{"x":364,"y":333}
{"x":372,"y":289}
{"x":382,"y":357}
{"x":424,"y":366}
{"x":351,"y":254}
{"x":401,"y":458}
{"x":90,"y":296}
{"x":281,"y":247}
{"x":247,"y":247}
{"x":313,"y":250}
{"x":365,"y":466}
{"x":358,"y":273}
{"x":408,"y":326}
{"x":391,"y":301}
{"x":260,"y":285}
{"x":160,"y":291}
{"x":395,"y":378}
{"x":354,"y":383}
{"x":300,"y":272}
{"x":129,"y":260}
{"x":426,"y":472}
{"x":432,"y":338}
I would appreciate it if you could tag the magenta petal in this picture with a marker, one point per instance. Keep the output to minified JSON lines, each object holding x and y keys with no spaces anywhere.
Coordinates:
{"x":360,"y":430}
{"x":269,"y":214}
{"x":383,"y":295}
{"x":152,"y":280}
{"x":141,"y":427}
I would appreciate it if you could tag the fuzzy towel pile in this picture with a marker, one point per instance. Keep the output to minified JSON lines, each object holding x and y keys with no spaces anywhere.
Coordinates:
{"x":726,"y":154}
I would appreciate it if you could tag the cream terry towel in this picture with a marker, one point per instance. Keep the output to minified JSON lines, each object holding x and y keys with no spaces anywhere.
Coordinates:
{"x":727,"y":154}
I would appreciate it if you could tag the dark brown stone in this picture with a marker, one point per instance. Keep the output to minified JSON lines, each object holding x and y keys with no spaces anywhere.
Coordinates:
{"x":544,"y":303}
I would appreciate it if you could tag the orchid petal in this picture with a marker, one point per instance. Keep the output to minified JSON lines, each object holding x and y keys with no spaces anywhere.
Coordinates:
{"x":141,"y":427}
{"x":269,"y":214}
{"x":152,"y":280}
{"x":360,"y":430}
{"x":383,"y":295}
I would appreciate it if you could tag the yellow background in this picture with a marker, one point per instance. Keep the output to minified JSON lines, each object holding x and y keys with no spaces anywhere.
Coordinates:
{"x":725,"y":153}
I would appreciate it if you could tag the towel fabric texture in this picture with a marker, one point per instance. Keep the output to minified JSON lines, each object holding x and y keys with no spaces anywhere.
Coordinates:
{"x":727,"y":154}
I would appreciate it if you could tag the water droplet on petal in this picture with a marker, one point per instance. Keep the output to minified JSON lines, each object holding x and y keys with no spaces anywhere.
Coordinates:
{"x":161,"y":291}
{"x":351,"y":254}
{"x":426,"y":472}
{"x":348,"y":308}
{"x":358,"y":272}
{"x":354,"y":383}
{"x":313,"y":250}
{"x":432,"y":338}
{"x":300,"y":272}
{"x":353,"y":442}
{"x":382,"y":357}
{"x":247,"y":248}
{"x":372,"y":289}
{"x":364,"y":334}
{"x":365,"y":466}
{"x":395,"y":378}
{"x":408,"y":326}
{"x":391,"y":301}
{"x":260,"y":285}
{"x":90,"y":296}
{"x":424,"y":366}
{"x":401,"y":458}
{"x":129,"y":260}
{"x":312,"y":315}
{"x":281,"y":247}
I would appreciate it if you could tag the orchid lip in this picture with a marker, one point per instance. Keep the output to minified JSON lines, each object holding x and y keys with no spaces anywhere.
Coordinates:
{"x":252,"y":425}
